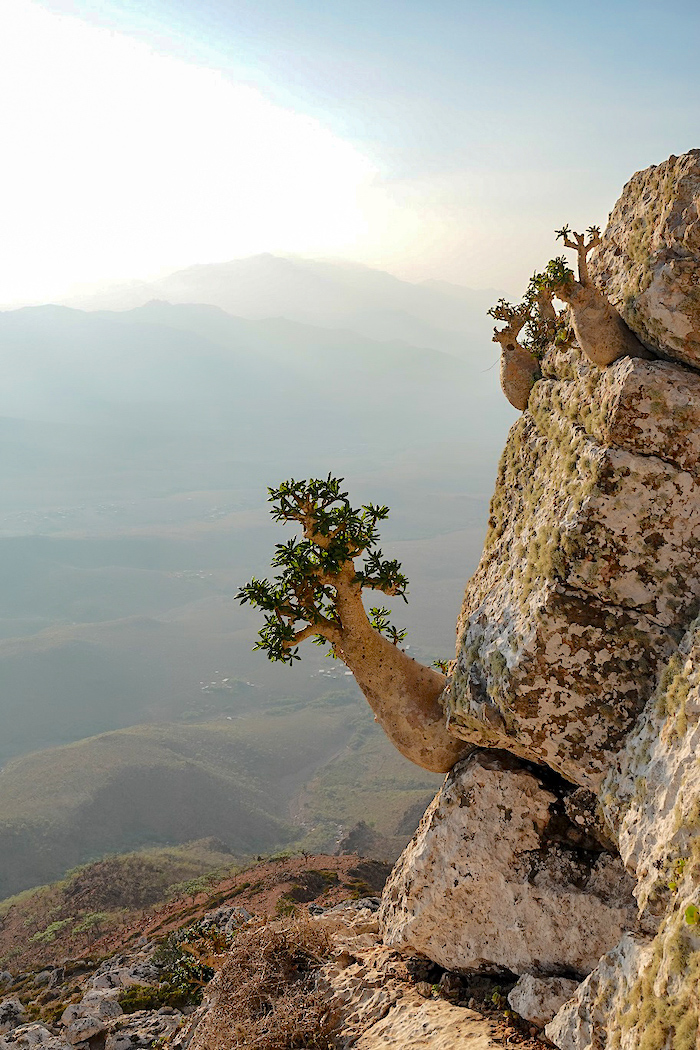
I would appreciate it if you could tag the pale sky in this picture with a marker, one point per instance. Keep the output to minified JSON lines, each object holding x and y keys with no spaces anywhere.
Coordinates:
{"x":432,"y":138}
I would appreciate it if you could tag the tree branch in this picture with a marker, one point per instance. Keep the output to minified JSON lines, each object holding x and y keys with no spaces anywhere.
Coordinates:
{"x":326,"y":629}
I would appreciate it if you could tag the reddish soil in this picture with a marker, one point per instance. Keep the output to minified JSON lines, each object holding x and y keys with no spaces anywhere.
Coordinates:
{"x":264,"y":889}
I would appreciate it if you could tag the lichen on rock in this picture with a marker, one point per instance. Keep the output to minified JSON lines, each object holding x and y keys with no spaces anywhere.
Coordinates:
{"x":578,"y":649}
{"x":643,"y":996}
{"x":649,"y":258}
{"x":498,"y":879}
{"x":591,"y":563}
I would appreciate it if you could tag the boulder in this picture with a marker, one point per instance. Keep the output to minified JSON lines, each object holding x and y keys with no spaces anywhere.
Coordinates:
{"x":648,"y":262}
{"x":142,"y":1029}
{"x":12,"y":1014}
{"x":432,"y":1025}
{"x":591,"y":565}
{"x":84,"y":1028}
{"x":582,"y":1022}
{"x":95,"y":1004}
{"x":497,"y":880}
{"x":538,"y":999}
{"x":28,"y":1036}
{"x":123,"y":976}
{"x":366,"y":984}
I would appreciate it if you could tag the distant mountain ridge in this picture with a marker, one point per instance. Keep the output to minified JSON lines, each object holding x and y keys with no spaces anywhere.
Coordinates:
{"x":137,"y":447}
{"x":370,"y":302}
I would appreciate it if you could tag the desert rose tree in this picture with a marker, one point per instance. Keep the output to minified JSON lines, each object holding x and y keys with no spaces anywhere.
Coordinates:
{"x":317,"y":594}
{"x":599,"y":329}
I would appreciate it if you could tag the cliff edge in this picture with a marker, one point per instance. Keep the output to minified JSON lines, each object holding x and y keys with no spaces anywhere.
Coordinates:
{"x":567,"y":847}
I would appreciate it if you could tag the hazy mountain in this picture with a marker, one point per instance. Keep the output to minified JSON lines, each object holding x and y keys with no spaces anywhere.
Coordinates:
{"x":369,"y":302}
{"x":188,"y":396}
{"x":286,"y":773}
{"x":137,"y":450}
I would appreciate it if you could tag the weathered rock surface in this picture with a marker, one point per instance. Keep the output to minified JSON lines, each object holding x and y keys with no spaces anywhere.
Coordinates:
{"x":123,"y":976}
{"x":100,"y":1005}
{"x":538,"y":999}
{"x":84,"y":1028}
{"x":434,"y":1025}
{"x":591,"y":565}
{"x":652,"y":796}
{"x":379,"y":1009}
{"x":496,"y":879}
{"x":12,"y":1014}
{"x":96,"y":1021}
{"x":28,"y":1036}
{"x":142,"y":1029}
{"x":582,"y":1022}
{"x":644,"y":993}
{"x":649,"y":259}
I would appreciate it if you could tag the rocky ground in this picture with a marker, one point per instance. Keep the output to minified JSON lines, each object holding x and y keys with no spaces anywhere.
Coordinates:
{"x":147,"y":989}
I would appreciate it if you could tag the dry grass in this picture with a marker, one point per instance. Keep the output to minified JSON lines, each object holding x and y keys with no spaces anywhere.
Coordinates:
{"x":265,"y":996}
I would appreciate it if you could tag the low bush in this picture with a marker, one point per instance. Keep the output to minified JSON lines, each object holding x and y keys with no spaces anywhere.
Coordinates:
{"x":265,"y":997}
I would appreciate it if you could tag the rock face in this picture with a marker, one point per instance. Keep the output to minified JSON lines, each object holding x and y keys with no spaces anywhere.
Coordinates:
{"x":577,"y":644}
{"x":644,"y":993}
{"x":12,"y":1014}
{"x":142,"y":1029}
{"x":538,"y":999}
{"x":28,"y":1036}
{"x":591,"y":564}
{"x":497,"y":879}
{"x":583,"y":1020}
{"x":380,"y":1011}
{"x":649,"y":259}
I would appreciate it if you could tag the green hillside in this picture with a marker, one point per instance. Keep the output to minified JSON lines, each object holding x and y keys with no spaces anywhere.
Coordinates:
{"x":243,"y":781}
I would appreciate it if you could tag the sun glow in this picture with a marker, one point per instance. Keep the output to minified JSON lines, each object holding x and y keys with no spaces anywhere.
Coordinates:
{"x":122,"y":161}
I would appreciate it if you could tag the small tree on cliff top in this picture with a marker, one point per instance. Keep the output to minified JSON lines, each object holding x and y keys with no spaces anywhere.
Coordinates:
{"x":317,"y":594}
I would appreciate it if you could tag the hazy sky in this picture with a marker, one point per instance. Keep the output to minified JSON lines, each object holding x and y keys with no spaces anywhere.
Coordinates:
{"x":433,"y":138}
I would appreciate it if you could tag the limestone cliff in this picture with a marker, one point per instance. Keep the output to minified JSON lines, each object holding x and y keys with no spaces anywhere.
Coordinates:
{"x":644,"y":993}
{"x":591,"y":565}
{"x":578,"y":653}
{"x":648,"y":260}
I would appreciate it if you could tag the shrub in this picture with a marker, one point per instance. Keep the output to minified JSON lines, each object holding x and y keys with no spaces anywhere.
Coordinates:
{"x":266,"y":996}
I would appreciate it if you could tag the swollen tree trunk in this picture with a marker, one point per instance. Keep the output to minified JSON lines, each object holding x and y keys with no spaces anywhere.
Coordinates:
{"x":600,"y":331}
{"x":520,"y":370}
{"x":404,"y":695}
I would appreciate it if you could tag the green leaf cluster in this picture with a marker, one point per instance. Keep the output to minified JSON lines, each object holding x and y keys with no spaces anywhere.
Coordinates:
{"x":309,"y":567}
{"x":183,"y":960}
{"x":379,"y":618}
{"x":534,"y":316}
{"x":52,"y":930}
{"x":692,"y":915}
{"x":557,"y":275}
